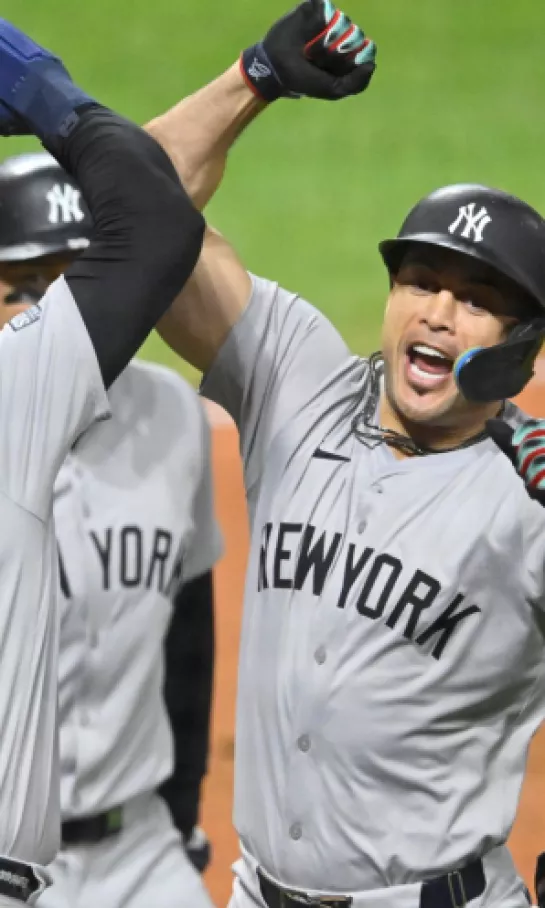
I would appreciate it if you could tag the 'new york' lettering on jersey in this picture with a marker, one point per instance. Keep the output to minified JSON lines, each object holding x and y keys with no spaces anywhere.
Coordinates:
{"x":391,"y":655}
{"x":312,"y":561}
{"x":134,"y":520}
{"x":128,"y":558}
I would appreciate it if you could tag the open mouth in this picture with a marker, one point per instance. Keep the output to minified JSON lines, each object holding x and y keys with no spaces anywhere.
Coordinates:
{"x":426,"y":366}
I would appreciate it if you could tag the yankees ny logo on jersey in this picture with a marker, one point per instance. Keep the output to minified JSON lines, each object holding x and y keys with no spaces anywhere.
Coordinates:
{"x":64,"y":204}
{"x":473,"y":224}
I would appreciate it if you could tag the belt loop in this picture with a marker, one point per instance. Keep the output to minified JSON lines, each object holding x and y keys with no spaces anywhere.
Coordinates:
{"x":456,"y":875}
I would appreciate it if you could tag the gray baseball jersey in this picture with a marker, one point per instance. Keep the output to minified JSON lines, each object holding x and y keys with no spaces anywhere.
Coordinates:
{"x":391,"y":667}
{"x":50,"y":391}
{"x":134,"y":519}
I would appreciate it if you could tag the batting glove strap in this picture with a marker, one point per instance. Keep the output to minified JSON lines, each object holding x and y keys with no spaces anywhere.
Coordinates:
{"x":259,"y":73}
{"x":49,"y":101}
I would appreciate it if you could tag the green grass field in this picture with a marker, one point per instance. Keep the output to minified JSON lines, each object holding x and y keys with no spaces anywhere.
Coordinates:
{"x":459,"y":95}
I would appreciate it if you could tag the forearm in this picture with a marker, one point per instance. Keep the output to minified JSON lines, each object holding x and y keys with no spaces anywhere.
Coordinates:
{"x":199,"y":131}
{"x":295,"y":59}
{"x":147,"y":234}
{"x":189,"y":668}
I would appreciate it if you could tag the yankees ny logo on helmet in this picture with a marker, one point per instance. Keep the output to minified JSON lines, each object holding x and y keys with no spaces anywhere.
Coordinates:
{"x":473,"y":224}
{"x":64,"y":204}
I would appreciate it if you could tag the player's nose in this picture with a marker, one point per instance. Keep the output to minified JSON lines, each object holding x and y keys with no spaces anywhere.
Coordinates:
{"x":440,"y":311}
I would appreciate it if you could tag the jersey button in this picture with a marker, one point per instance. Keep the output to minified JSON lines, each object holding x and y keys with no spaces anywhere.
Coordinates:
{"x":303,"y":743}
{"x":296,"y":831}
{"x":361,"y":526}
{"x":378,"y":489}
{"x":320,"y":655}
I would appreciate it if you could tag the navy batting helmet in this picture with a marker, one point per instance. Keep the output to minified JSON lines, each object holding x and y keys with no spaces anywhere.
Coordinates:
{"x":42,"y":211}
{"x":508,"y":235}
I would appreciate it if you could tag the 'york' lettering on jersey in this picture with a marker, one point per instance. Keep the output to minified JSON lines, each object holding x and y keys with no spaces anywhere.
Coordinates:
{"x":303,"y":558}
{"x":129,"y":557}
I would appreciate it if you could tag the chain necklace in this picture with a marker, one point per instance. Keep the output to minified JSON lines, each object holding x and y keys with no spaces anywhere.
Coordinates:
{"x":373,"y":435}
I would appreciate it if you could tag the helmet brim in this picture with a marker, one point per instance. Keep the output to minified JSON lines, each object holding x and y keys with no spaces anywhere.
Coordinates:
{"x":393,"y":251}
{"x":23,"y":252}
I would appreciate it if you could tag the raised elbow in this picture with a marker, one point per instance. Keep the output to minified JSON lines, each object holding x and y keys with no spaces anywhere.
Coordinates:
{"x":171,"y":236}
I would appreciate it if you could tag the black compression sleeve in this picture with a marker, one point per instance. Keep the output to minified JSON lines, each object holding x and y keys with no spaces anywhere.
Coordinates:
{"x":189,"y":660}
{"x":147,"y":235}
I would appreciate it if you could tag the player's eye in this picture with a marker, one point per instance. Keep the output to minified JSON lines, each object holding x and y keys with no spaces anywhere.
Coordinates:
{"x":425,"y":285}
{"x":424,"y":282}
{"x":473,"y":305}
{"x":480,"y":300}
{"x":418,"y":280}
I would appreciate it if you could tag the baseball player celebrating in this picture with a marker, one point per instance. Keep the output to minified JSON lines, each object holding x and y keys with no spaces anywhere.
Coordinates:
{"x":133,"y":517}
{"x":56,"y":359}
{"x":391,"y":667}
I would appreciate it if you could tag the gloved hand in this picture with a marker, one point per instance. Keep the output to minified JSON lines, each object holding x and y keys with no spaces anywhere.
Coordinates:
{"x":198,"y":849}
{"x":315,"y":50}
{"x":37,"y":95}
{"x":525,"y":448}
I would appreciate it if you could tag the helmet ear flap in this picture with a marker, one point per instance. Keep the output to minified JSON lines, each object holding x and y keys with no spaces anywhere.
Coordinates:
{"x":487,"y":374}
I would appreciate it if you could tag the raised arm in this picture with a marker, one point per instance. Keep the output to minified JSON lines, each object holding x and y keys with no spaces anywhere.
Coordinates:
{"x":197,"y":134}
{"x":314,"y":51}
{"x":147,"y":235}
{"x":57,"y":357}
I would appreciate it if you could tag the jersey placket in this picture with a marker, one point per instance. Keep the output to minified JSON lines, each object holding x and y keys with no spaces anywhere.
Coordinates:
{"x":73,"y":642}
{"x":89,"y":616}
{"x":309,"y":746}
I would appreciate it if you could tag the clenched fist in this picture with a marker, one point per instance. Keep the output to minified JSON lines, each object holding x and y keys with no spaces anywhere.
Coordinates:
{"x":315,"y":50}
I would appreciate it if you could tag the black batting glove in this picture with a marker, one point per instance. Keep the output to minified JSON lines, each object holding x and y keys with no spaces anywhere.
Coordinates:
{"x":315,"y":51}
{"x":37,"y":95}
{"x":198,"y":849}
{"x":525,"y":448}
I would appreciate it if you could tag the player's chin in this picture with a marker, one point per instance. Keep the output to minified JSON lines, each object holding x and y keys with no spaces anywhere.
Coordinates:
{"x":427,"y":404}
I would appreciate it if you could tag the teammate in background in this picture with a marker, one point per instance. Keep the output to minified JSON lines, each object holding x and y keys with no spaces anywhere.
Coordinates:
{"x":56,"y":359}
{"x":391,"y":665}
{"x":137,"y":542}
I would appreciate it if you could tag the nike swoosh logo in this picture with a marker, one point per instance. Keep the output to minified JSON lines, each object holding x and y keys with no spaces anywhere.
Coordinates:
{"x":320,"y":454}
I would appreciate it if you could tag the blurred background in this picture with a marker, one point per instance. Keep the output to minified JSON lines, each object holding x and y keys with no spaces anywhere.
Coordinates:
{"x":459,"y":95}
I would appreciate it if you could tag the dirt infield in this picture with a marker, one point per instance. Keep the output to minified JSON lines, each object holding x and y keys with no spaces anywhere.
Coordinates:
{"x":229,"y":579}
{"x":528,"y":835}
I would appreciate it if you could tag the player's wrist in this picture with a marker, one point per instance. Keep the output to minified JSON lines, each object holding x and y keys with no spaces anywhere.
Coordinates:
{"x":249,"y":100}
{"x":259,"y":73}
